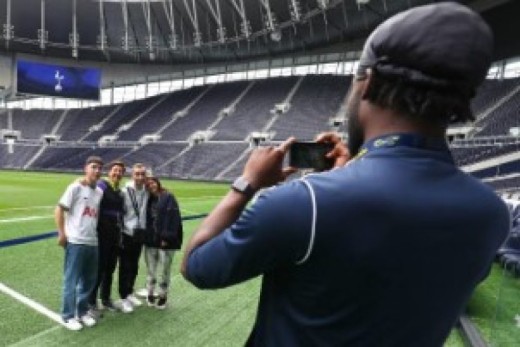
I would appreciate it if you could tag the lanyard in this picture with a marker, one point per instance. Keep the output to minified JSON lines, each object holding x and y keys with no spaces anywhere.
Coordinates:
{"x":404,"y":140}
{"x":132,"y":193}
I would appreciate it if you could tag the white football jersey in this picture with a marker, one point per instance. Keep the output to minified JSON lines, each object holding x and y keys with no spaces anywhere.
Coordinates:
{"x":82,"y":205}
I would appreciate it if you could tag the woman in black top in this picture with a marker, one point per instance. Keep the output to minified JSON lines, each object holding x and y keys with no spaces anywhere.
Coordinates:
{"x":163,"y":237}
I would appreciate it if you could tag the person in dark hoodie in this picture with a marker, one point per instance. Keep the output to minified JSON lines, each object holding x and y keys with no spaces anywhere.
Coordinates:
{"x":109,"y":228}
{"x":163,"y":237}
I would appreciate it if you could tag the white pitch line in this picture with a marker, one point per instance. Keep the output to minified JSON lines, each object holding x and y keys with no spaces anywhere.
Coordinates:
{"x":31,"y":303}
{"x":35,"y":336}
{"x":25,"y":208}
{"x":23,"y":219}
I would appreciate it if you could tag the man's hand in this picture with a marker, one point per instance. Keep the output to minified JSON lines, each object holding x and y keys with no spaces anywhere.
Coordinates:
{"x":264,"y":167}
{"x":59,"y":218}
{"x":62,"y":239}
{"x":339,"y":153}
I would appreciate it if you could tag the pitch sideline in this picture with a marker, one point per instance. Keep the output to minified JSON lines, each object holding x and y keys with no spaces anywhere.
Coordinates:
{"x":35,"y":336}
{"x":31,"y":303}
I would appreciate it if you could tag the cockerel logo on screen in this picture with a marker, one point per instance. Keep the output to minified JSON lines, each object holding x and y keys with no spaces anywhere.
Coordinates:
{"x":58,"y":88}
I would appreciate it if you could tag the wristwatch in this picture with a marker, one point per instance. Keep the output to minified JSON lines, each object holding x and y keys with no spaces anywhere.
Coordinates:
{"x":241,"y":185}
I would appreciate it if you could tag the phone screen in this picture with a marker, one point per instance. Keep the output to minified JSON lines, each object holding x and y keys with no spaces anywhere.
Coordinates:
{"x":310,"y":155}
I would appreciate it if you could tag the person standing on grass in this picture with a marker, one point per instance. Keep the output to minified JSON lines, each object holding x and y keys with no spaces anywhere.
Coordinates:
{"x":76,"y":218}
{"x":135,"y":198}
{"x":109,"y":230}
{"x":387,"y":248}
{"x":163,"y":237}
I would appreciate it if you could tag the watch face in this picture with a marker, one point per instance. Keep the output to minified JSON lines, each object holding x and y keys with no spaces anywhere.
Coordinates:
{"x":240,"y":184}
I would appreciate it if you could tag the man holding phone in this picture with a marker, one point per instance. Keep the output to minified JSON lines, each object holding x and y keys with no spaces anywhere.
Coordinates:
{"x":386,"y":250}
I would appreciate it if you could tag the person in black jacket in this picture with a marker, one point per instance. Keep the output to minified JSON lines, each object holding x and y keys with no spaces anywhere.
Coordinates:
{"x":163,"y":237}
{"x":109,"y":233}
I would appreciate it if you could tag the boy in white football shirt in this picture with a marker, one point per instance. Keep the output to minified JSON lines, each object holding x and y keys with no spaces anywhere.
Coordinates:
{"x":76,"y":218}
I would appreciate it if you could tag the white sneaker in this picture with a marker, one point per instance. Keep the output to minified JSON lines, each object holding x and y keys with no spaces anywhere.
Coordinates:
{"x":143,"y":292}
{"x":126,"y":306}
{"x":88,"y":320}
{"x":72,"y":324}
{"x":134,"y":300}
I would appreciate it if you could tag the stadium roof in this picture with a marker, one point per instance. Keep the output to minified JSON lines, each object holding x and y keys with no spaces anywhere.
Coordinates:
{"x":205,"y":31}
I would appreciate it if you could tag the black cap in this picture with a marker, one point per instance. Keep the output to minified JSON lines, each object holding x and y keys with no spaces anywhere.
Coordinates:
{"x":94,"y":159}
{"x":443,"y":45}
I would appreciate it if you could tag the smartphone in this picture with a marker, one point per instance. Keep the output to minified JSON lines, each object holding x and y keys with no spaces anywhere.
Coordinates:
{"x":310,"y":155}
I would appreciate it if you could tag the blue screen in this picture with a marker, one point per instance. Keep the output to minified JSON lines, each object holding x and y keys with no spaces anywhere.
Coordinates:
{"x":57,"y":80}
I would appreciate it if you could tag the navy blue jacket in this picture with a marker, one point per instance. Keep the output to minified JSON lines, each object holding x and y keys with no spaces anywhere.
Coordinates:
{"x":401,"y":239}
{"x":163,"y":222}
{"x":111,"y":213}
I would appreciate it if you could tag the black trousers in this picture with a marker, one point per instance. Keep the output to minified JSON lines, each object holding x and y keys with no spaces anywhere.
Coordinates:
{"x":128,"y":265}
{"x":108,"y":245}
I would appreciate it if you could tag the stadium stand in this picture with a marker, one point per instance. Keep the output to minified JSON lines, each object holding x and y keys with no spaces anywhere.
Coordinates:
{"x":203,"y":161}
{"x":503,"y":119}
{"x":123,"y":115}
{"x":154,"y":154}
{"x":172,"y":119}
{"x":3,"y":119}
{"x":159,"y":115}
{"x":505,"y":183}
{"x":469,"y":155}
{"x":73,"y":158}
{"x":490,"y":92}
{"x":316,"y":101}
{"x":35,"y":123}
{"x":19,"y":157}
{"x":77,"y":122}
{"x":504,"y":108}
{"x":253,"y":112}
{"x":199,"y":113}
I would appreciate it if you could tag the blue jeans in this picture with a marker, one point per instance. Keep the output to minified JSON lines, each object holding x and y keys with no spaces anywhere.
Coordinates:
{"x":80,"y":276}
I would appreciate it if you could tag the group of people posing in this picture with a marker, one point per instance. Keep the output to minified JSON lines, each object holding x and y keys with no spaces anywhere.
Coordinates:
{"x":100,"y":223}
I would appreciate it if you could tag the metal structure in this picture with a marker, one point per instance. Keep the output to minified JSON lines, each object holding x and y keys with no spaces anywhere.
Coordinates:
{"x":192,"y":31}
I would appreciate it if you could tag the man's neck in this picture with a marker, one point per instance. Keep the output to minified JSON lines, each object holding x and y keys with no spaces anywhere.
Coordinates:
{"x":385,"y":122}
{"x":114,"y":184}
{"x":91,"y":183}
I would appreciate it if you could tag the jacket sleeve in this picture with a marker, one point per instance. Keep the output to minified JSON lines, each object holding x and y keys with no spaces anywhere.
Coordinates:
{"x":172,"y":227}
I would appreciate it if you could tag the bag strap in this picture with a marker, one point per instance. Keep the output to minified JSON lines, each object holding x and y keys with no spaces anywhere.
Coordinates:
{"x":313,"y":225}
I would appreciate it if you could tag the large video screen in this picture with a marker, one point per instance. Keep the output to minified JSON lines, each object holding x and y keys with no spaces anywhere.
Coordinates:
{"x":57,"y":80}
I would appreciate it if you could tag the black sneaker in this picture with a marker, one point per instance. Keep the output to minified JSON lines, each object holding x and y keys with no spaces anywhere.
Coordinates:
{"x":161,"y":303}
{"x":108,"y":305}
{"x":150,"y":300}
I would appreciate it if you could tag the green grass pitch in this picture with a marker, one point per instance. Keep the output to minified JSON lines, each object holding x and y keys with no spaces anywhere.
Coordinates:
{"x":194,"y":318}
